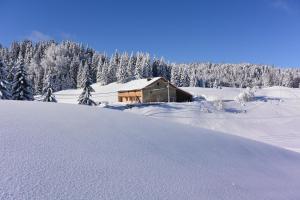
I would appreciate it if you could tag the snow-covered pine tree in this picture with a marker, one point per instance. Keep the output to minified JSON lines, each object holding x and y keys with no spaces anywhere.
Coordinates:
{"x":175,"y":76}
{"x":4,"y":85}
{"x":155,"y":66}
{"x":184,"y":76}
{"x":48,"y":91}
{"x":100,"y":65}
{"x":267,"y":78}
{"x":216,"y":84}
{"x":80,"y":75}
{"x":36,"y":72}
{"x":163,"y":69}
{"x":113,"y":66}
{"x":74,"y":71}
{"x":57,"y":59}
{"x":193,"y":76}
{"x":288,"y":79}
{"x":28,"y":51}
{"x":147,"y":67}
{"x":21,"y":89}
{"x":94,"y":66}
{"x":131,"y":67}
{"x":122,"y":76}
{"x":49,"y":96}
{"x":85,"y":96}
{"x":102,"y":76}
{"x":139,"y":71}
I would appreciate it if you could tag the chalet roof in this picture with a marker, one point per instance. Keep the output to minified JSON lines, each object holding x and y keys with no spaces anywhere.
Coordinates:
{"x":142,"y":83}
{"x":138,"y":84}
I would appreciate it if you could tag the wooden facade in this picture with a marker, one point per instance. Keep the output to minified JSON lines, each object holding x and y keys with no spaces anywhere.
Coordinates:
{"x":156,"y":91}
{"x":134,"y":96}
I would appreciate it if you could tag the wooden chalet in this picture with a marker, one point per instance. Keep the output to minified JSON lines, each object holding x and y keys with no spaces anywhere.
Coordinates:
{"x":150,"y":90}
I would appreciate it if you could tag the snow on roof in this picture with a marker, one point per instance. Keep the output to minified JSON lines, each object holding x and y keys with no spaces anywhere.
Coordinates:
{"x":138,"y":84}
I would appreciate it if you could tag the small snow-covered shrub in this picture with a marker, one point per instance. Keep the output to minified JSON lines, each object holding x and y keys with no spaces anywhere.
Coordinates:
{"x":199,"y":98}
{"x":218,"y":104}
{"x":245,"y":96}
{"x":103,"y":104}
{"x":255,"y":88}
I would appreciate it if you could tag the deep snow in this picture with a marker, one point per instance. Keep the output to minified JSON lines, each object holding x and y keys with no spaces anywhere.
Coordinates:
{"x":60,"y":151}
{"x":273,"y":117}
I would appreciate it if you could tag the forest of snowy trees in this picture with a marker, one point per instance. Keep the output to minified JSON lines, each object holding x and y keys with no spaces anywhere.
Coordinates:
{"x":67,"y":64}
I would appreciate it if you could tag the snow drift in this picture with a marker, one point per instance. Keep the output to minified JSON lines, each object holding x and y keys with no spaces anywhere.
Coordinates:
{"x":60,"y":151}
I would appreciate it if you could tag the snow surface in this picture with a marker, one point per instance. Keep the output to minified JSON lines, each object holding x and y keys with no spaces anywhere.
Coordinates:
{"x":60,"y":151}
{"x":272,"y":118}
{"x":106,"y":93}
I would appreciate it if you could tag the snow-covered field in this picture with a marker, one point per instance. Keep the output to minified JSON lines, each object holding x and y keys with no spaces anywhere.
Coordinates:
{"x":273,"y":117}
{"x":60,"y":151}
{"x":107,"y":93}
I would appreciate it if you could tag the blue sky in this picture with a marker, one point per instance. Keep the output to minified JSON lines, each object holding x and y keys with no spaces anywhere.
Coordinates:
{"x":256,"y":31}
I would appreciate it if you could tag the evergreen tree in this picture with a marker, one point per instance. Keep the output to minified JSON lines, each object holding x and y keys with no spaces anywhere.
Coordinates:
{"x":163,"y":69}
{"x":21,"y":89}
{"x":131,"y":67}
{"x":146,"y":66}
{"x":155,"y":67}
{"x":36,"y":73}
{"x":122,"y":76}
{"x":100,"y":67}
{"x":49,"y":96}
{"x":175,"y":76}
{"x":94,"y":66}
{"x":103,"y":76}
{"x":85,"y":96}
{"x":4,"y":85}
{"x":113,"y":66}
{"x":184,"y":76}
{"x":139,"y":71}
{"x":48,"y":91}
{"x":216,"y":84}
{"x":74,"y":71}
{"x":80,"y":75}
{"x":193,"y":77}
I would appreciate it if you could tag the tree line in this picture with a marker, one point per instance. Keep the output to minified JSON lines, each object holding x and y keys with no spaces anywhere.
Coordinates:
{"x":67,"y":65}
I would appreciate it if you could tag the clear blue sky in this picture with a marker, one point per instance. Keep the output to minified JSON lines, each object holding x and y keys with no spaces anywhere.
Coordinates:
{"x":256,"y":31}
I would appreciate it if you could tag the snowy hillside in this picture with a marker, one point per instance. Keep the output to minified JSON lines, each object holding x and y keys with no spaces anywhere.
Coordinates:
{"x":271,"y":118}
{"x":59,"y":151}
